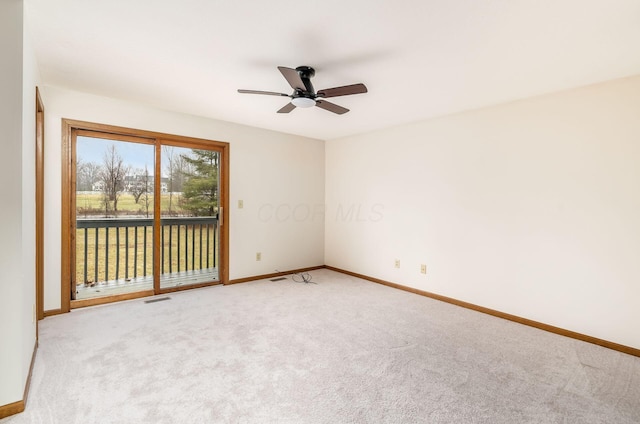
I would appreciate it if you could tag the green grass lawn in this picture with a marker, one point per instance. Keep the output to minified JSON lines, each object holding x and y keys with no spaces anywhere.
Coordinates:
{"x":88,"y":204}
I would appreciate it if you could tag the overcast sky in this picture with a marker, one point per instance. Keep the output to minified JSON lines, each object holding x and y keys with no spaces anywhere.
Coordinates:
{"x":135,"y":155}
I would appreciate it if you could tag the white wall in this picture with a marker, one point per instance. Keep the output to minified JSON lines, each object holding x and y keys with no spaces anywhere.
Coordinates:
{"x":18,"y":76}
{"x":530,"y":208}
{"x":30,"y":79}
{"x":274,"y":174}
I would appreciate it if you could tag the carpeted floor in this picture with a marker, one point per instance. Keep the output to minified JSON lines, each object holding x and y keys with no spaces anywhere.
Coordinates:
{"x":340,"y":351}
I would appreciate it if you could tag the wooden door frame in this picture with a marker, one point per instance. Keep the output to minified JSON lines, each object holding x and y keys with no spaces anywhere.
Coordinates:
{"x":68,"y":199}
{"x":39,"y":208}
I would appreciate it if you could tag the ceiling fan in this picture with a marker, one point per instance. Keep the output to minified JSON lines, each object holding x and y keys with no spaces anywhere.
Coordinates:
{"x":304,"y":94}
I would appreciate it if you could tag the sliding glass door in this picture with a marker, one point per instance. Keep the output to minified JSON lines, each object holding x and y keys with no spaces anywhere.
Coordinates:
{"x":145,"y":214}
{"x":114,"y":200}
{"x":189,"y":216}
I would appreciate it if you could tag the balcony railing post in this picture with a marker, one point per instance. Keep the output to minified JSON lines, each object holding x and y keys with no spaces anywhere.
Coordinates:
{"x":145,"y":252}
{"x":171,"y":250}
{"x":117,"y":253}
{"x":95,"y":269}
{"x":162,"y":238}
{"x":135,"y":252}
{"x":86,"y":255}
{"x":200,"y":246}
{"x":193,"y":247}
{"x":106,"y":254}
{"x":208,"y":233}
{"x":126,"y":253}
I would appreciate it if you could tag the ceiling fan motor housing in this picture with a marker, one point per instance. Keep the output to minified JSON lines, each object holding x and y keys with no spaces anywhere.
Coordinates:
{"x":306,"y":73}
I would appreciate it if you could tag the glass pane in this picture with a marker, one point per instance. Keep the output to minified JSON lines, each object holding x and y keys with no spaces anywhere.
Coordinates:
{"x":114,"y":217}
{"x":189,"y":208}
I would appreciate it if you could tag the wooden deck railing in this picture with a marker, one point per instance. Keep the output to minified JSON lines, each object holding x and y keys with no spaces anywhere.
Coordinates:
{"x":115,"y":248}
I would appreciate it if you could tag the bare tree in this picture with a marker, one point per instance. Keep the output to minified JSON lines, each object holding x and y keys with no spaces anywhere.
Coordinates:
{"x":146,"y":198}
{"x":139,"y":184}
{"x":112,"y":175}
{"x":87,"y":174}
{"x":169,"y":155}
{"x":180,"y":172}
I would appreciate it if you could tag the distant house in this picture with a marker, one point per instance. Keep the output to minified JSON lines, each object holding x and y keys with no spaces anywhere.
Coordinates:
{"x":137,"y":181}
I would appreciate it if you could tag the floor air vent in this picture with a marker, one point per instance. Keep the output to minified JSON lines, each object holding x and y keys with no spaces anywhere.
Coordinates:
{"x":160,"y":299}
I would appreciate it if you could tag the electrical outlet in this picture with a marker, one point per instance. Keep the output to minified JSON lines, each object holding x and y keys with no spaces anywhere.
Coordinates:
{"x":240,"y":204}
{"x":397,"y":265}
{"x":423,"y":269}
{"x":258,"y":256}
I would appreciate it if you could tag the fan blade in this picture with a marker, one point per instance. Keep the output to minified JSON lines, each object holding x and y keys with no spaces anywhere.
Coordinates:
{"x":269,"y":93}
{"x":342,"y":91}
{"x":331,"y":107}
{"x":287,"y":108}
{"x":293,"y":78}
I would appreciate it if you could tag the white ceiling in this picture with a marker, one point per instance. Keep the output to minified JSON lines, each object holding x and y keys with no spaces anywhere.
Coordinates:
{"x":419,"y":58}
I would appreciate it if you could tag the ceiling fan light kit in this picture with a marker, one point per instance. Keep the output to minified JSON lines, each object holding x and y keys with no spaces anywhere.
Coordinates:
{"x":303,"y":102}
{"x":304,"y":95}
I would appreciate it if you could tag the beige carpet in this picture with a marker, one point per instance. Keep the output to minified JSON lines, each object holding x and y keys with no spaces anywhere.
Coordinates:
{"x":339,"y":351}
